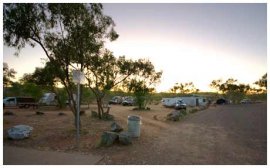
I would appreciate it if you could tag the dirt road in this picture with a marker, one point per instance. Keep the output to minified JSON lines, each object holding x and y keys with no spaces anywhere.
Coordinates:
{"x":23,"y":156}
{"x":230,"y":134}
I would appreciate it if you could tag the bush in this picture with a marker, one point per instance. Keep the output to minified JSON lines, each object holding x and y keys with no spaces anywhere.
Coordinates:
{"x":184,"y":112}
{"x":105,"y":116}
{"x":142,"y":109}
{"x":193,"y":110}
{"x":94,"y":114}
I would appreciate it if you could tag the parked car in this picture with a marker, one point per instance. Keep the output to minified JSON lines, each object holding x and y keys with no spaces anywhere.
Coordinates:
{"x":128,"y":101}
{"x":21,"y":102}
{"x":180,"y":105}
{"x":245,"y":101}
{"x":116,"y":100}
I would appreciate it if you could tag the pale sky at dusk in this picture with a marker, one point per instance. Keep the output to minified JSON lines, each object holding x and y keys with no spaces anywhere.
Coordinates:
{"x":189,"y":42}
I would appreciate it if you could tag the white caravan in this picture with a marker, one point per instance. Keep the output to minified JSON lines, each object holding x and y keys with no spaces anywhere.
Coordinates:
{"x":170,"y":102}
{"x":48,"y":99}
{"x":189,"y":101}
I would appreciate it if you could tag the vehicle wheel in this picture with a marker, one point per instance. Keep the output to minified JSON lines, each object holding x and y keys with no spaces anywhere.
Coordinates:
{"x":26,"y":106}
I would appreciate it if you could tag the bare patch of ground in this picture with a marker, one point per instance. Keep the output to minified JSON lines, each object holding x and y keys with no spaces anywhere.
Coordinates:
{"x":230,"y":134}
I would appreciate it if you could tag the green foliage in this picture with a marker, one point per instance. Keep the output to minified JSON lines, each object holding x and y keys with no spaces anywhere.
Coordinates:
{"x":143,"y":84}
{"x":184,"y":88}
{"x":46,"y":76}
{"x":105,"y":72}
{"x":8,"y":75}
{"x":105,"y":116}
{"x":71,"y":35}
{"x":215,"y":84}
{"x":141,"y":92}
{"x":257,"y":97}
{"x":262,"y":82}
{"x":231,"y":89}
{"x":27,"y":90}
{"x":193,"y":110}
{"x":62,"y":97}
{"x":184,"y":112}
{"x":31,"y":89}
{"x":87,"y":95}
{"x":14,"y":90}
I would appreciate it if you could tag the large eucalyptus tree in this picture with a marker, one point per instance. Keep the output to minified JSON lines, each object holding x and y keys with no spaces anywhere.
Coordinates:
{"x":68,"y":34}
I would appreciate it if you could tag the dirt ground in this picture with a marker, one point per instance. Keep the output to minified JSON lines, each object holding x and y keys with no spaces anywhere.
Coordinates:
{"x":230,"y":134}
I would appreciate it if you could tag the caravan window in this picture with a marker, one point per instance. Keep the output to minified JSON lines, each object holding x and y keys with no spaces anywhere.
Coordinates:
{"x":11,"y":100}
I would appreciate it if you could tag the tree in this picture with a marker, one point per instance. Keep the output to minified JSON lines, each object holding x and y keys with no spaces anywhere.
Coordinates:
{"x":143,"y":84}
{"x":262,"y":83}
{"x":69,"y":34}
{"x":8,"y":75}
{"x":32,"y":90}
{"x":24,"y":89}
{"x":231,"y":89}
{"x":141,"y":91}
{"x":105,"y":71}
{"x":184,"y":88}
{"x":215,"y":84}
{"x":46,"y":77}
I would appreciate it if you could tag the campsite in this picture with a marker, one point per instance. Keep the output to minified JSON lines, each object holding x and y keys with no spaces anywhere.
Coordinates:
{"x":226,"y":134}
{"x":134,"y":84}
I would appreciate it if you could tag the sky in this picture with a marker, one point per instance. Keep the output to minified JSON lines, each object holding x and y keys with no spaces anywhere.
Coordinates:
{"x":188,"y":42}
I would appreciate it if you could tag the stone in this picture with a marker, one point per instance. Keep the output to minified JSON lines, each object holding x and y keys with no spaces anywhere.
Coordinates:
{"x":39,"y":113}
{"x":19,"y":132}
{"x":108,"y":138}
{"x":125,"y":138}
{"x":61,"y":114}
{"x":116,"y":127}
{"x":9,"y":113}
{"x":82,"y":112}
{"x":174,"y":116}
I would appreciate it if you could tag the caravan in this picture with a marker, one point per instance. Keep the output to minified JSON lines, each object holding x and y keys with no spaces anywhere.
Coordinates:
{"x":170,"y":102}
{"x":48,"y":99}
{"x":189,"y":101}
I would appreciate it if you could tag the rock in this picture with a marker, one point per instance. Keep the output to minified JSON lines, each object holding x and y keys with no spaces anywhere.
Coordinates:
{"x":39,"y":113}
{"x":174,"y":116}
{"x":108,"y":138}
{"x":19,"y":132}
{"x":116,"y":127}
{"x":82,"y":112}
{"x":125,"y":138}
{"x":9,"y":113}
{"x":61,"y":114}
{"x":94,"y":114}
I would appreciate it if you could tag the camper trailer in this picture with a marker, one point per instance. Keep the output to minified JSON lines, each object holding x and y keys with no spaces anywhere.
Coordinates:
{"x":170,"y":102}
{"x":48,"y":99}
{"x":195,"y":101}
{"x":189,"y":101}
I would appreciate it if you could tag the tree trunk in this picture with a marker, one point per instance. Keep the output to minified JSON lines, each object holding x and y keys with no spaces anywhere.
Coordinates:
{"x":100,"y":108}
{"x":73,"y":107}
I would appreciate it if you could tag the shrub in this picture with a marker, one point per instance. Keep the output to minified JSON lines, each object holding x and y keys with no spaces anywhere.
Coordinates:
{"x":184,"y":112}
{"x":193,"y":110}
{"x":105,"y":116}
